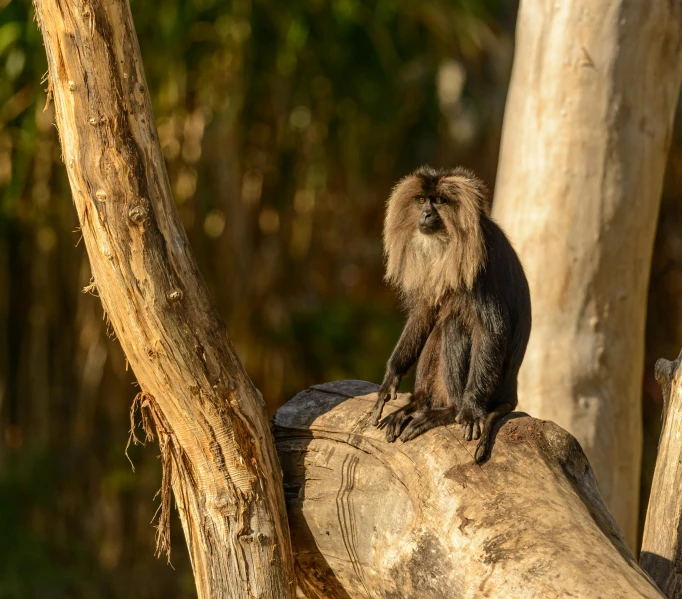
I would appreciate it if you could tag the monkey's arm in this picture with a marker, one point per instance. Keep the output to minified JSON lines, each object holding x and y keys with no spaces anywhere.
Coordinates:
{"x":417,"y":330}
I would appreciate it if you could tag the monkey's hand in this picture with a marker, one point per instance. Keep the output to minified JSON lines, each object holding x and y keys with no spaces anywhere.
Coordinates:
{"x":472,"y":418}
{"x":387,"y":392}
{"x":393,"y":423}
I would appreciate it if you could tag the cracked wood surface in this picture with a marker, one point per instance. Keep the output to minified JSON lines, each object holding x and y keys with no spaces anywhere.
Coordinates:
{"x":375,"y":520}
{"x":217,"y":450}
{"x":661,"y":554}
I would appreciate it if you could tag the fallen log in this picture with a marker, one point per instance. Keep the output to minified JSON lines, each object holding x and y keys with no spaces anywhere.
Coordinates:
{"x":377,"y":520}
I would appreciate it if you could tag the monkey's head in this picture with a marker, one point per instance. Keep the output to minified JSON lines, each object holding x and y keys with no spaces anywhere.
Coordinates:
{"x":433,"y":240}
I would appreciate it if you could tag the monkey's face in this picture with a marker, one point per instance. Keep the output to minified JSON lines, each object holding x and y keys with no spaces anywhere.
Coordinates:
{"x":430,"y":220}
{"x":432,"y":233}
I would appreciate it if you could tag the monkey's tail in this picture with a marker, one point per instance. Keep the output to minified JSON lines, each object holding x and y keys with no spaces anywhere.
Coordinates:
{"x":483,"y":447}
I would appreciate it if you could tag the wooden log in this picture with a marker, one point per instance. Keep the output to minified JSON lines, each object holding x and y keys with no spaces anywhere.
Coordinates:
{"x":661,"y":554}
{"x":211,"y":422}
{"x":371,"y":519}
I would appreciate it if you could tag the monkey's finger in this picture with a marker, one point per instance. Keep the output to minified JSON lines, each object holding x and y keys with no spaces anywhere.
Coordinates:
{"x":374,"y":419}
{"x":468,"y":429}
{"x":415,"y":427}
{"x":384,"y":422}
{"x":410,"y":433}
{"x":477,"y":430}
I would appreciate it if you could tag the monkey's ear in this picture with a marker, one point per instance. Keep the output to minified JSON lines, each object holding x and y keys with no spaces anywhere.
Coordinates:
{"x":469,"y":188}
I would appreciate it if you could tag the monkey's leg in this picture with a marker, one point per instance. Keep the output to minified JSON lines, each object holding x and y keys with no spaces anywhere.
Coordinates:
{"x":393,"y":423}
{"x":483,"y":447}
{"x":488,"y":351}
{"x":417,"y":330}
{"x":455,"y":363}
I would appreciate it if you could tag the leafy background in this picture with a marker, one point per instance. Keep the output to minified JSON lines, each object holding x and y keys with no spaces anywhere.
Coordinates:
{"x":284,"y":125}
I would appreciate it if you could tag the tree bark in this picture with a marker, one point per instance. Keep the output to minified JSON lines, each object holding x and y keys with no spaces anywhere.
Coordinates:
{"x":586,"y":131}
{"x":371,"y":519}
{"x":661,"y":554}
{"x":217,"y":451}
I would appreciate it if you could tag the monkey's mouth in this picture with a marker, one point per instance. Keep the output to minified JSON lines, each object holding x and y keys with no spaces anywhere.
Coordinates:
{"x":430,"y":226}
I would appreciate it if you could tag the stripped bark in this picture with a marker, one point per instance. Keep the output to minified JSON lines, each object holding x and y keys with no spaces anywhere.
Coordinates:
{"x":372,"y":519}
{"x":586,"y":133}
{"x":217,"y":450}
{"x":661,"y":554}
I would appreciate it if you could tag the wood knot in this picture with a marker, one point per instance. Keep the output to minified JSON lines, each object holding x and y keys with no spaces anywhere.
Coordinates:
{"x":663,"y":371}
{"x":71,"y":85}
{"x":101,"y":195}
{"x":93,"y":121}
{"x":137,"y":213}
{"x":175,"y":295}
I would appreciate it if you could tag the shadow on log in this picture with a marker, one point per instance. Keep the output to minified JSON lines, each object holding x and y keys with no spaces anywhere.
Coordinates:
{"x":421,"y":519}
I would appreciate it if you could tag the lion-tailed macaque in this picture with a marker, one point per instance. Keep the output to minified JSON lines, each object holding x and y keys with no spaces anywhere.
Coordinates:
{"x":469,"y":308}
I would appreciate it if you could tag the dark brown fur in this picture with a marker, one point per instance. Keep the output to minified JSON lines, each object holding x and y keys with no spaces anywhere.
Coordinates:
{"x":469,"y":308}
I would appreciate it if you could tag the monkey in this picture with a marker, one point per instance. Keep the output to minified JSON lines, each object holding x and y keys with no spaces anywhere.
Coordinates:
{"x":468,"y":304}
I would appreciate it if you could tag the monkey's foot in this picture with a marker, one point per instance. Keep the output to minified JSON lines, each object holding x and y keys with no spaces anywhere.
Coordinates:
{"x":393,"y":423}
{"x":472,"y":420}
{"x":424,"y":421}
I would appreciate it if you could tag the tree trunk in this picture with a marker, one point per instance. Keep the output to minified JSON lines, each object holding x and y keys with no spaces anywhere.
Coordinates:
{"x":375,"y":520}
{"x":217,"y":451}
{"x":662,"y":543}
{"x":586,"y":132}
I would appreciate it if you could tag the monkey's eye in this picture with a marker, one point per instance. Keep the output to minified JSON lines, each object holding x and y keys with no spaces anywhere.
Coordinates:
{"x":439,"y":200}
{"x":421,"y":200}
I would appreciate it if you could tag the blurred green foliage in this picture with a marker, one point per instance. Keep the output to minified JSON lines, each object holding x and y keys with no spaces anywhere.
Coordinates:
{"x":283,"y":125}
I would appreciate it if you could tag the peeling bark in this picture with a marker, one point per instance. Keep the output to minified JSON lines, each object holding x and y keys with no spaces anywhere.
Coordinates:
{"x":217,"y":450}
{"x":372,"y":519}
